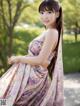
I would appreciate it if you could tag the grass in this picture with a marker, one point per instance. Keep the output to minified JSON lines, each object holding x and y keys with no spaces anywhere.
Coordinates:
{"x":70,"y":38}
{"x":71,"y":54}
{"x":71,"y":57}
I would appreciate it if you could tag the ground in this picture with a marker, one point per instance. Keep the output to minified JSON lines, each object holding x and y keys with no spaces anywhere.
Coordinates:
{"x":72,"y":89}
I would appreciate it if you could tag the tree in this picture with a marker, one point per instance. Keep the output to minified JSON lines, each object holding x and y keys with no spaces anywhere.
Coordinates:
{"x":32,"y":16}
{"x":10,"y":16}
{"x":10,"y":12}
{"x":72,"y":16}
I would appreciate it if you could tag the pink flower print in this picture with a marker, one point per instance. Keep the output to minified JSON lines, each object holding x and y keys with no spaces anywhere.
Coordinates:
{"x":35,"y":47}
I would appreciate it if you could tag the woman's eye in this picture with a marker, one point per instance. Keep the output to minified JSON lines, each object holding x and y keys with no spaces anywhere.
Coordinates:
{"x":41,"y":12}
{"x":49,"y":12}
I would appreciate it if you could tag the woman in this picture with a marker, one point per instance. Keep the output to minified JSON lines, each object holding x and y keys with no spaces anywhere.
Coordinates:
{"x":37,"y":78}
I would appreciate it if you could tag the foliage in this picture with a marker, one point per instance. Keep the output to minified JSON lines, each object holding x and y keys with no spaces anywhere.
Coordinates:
{"x":71,"y":9}
{"x":10,"y":11}
{"x":31,"y":15}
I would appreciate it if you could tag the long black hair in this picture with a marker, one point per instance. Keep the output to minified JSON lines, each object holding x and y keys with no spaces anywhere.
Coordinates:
{"x":52,"y":5}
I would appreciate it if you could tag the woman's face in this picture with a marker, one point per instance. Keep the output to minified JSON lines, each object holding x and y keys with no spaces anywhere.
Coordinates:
{"x":48,"y":18}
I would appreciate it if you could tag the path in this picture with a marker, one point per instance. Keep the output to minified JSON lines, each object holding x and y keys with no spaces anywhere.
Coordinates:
{"x":72,"y":89}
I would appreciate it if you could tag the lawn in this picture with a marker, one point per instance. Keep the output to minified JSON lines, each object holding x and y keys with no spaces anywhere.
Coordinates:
{"x":71,"y":54}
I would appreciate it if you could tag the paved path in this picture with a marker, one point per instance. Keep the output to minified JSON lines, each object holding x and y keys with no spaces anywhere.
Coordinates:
{"x":72,"y":89}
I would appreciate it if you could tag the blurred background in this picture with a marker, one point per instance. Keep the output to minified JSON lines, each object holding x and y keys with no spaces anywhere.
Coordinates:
{"x":20,"y":23}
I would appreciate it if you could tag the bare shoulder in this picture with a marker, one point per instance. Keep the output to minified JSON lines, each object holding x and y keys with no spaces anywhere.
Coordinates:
{"x":52,"y":33}
{"x":52,"y":30}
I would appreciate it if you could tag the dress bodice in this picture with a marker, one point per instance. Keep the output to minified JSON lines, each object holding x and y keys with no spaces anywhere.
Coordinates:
{"x":35,"y":46}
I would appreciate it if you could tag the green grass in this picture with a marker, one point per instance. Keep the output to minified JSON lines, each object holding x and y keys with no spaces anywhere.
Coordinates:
{"x":71,"y":57}
{"x":71,"y":54}
{"x":70,"y":38}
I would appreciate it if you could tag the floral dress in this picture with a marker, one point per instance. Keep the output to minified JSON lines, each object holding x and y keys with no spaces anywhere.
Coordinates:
{"x":25,"y":84}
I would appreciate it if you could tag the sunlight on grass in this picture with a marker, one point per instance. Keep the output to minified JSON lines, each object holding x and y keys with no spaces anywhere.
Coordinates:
{"x":70,"y":38}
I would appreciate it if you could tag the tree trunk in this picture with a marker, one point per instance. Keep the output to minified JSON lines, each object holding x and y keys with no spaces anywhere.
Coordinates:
{"x":10,"y":46}
{"x":76,"y":31}
{"x":75,"y":37}
{"x":75,"y":34}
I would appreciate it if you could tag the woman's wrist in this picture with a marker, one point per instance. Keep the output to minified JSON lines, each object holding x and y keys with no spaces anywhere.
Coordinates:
{"x":19,"y":58}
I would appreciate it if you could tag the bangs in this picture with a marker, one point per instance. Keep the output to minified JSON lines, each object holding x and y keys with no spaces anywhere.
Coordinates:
{"x":45,"y":6}
{"x":49,"y":5}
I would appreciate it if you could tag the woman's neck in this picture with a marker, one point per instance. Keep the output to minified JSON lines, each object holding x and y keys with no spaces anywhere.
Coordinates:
{"x":51,"y":27}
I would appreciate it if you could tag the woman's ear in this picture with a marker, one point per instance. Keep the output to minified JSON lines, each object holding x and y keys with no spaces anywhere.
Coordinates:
{"x":57,"y":14}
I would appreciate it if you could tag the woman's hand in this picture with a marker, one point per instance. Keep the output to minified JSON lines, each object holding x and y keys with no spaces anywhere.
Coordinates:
{"x":13,"y":59}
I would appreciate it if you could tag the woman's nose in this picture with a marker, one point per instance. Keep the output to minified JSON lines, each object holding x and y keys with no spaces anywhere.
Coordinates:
{"x":45,"y":15}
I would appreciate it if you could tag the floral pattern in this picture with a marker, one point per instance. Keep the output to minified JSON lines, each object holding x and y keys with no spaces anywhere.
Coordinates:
{"x":27,"y":85}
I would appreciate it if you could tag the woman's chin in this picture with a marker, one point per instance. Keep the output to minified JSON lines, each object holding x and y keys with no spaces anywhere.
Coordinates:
{"x":46,"y":25}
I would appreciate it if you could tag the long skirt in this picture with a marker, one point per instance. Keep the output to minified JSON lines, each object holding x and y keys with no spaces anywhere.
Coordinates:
{"x":24,"y":85}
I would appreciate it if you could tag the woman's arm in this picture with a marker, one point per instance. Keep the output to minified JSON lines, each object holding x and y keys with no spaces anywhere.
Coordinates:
{"x":49,"y":45}
{"x":33,"y":60}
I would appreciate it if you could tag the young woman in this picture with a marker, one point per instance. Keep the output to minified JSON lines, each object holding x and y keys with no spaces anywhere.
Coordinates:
{"x":37,"y":78}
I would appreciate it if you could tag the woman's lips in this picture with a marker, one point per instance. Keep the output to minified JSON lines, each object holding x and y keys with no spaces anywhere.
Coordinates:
{"x":46,"y":21}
